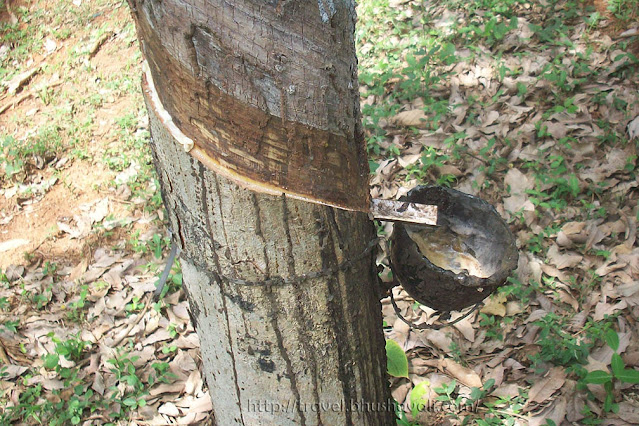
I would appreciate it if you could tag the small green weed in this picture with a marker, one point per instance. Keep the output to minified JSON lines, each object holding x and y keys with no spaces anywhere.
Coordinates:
{"x":623,"y":9}
{"x":50,"y":269}
{"x":11,"y":159}
{"x":492,"y":326}
{"x":431,"y":158}
{"x":41,"y":299}
{"x":133,"y":394}
{"x":155,"y":245}
{"x":76,"y":308}
{"x":457,"y":403}
{"x":562,"y":348}
{"x":492,"y":30}
{"x":21,"y":39}
{"x":134,"y":306}
{"x":617,"y":373}
{"x":499,"y":411}
{"x":401,"y":418}
{"x":162,"y":373}
{"x":15,"y":154}
{"x":11,"y":325}
{"x":72,"y":348}
{"x":68,"y":409}
{"x":172,"y":328}
{"x":3,"y":278}
{"x":519,"y":291}
{"x":168,"y":349}
{"x":173,"y":284}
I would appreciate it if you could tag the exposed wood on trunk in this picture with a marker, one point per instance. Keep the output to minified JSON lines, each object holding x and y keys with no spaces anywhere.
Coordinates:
{"x":266,"y":90}
{"x":379,"y":209}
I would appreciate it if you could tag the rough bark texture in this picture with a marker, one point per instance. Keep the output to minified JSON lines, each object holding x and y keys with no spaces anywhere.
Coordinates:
{"x":267,"y":89}
{"x":274,"y":347}
{"x":282,"y":292}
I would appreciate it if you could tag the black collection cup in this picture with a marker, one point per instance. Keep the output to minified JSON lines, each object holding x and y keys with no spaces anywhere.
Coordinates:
{"x":471,"y":237}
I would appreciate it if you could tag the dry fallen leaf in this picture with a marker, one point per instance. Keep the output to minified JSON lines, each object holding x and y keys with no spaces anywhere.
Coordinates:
{"x":198,"y":404}
{"x":633,"y":128}
{"x":556,"y":412}
{"x":98,"y":383}
{"x":12,"y":244}
{"x":159,"y":336}
{"x":437,"y":338}
{"x":602,"y":309}
{"x":495,"y":305}
{"x":172,"y":388}
{"x":563,"y":261}
{"x":465,"y":327}
{"x":400,"y":332}
{"x":543,"y":389}
{"x":11,"y":371}
{"x":629,"y":411}
{"x":20,"y":79}
{"x":400,"y":392}
{"x":413,"y":118}
{"x":464,"y":375}
{"x":507,"y":390}
{"x":571,"y":228}
{"x":518,"y":183}
{"x":169,"y":409}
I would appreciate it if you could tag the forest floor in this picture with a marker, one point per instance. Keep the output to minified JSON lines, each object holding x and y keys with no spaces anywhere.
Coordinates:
{"x":533,"y":106}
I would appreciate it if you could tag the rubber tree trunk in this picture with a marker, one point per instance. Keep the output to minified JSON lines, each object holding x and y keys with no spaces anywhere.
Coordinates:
{"x":282,"y":291}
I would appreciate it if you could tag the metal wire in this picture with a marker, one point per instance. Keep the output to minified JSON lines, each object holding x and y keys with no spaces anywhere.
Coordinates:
{"x":429,"y":326}
{"x":279,"y":281}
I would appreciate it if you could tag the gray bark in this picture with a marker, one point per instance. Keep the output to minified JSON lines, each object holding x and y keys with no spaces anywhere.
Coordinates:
{"x":282,"y":292}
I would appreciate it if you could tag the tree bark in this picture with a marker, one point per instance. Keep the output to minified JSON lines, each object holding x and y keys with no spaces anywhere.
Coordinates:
{"x":282,"y":291}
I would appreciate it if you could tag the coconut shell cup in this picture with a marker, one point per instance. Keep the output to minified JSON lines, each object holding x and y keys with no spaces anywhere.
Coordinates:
{"x":482,"y":229}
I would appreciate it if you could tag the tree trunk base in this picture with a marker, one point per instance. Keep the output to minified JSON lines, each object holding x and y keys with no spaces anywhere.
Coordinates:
{"x":282,"y":296}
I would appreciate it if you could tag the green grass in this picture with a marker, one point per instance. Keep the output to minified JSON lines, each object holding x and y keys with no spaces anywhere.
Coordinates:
{"x":36,"y":151}
{"x":624,"y":10}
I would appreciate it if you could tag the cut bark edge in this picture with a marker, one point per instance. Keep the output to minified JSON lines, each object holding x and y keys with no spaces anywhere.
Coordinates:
{"x":389,"y":210}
